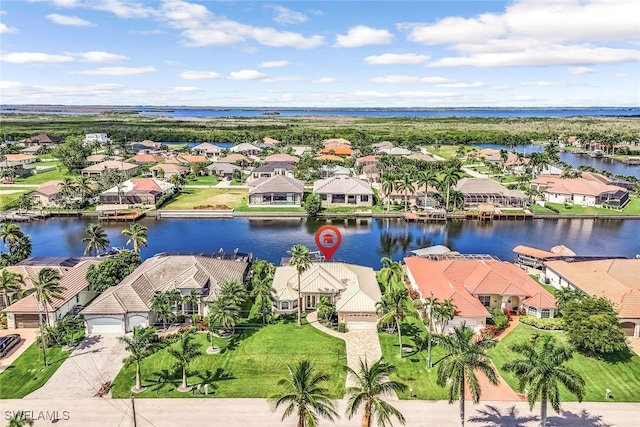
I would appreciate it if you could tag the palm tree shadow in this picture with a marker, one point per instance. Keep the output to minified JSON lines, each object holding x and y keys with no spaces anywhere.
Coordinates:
{"x":163,"y":378}
{"x":491,"y":416}
{"x":582,"y":419}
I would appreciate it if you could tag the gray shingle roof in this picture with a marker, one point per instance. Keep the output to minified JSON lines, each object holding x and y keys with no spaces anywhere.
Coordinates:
{"x":276,"y":184}
{"x":341,"y":184}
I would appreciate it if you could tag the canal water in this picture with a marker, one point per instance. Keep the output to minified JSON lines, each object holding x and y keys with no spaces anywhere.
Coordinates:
{"x":364,"y":241}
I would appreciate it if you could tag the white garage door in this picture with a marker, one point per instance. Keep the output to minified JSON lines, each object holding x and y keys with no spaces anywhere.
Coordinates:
{"x":361,"y":322}
{"x":104,"y":325}
{"x":137,"y":321}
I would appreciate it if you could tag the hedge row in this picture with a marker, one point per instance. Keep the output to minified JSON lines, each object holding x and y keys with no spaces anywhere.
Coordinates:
{"x":547,"y":324}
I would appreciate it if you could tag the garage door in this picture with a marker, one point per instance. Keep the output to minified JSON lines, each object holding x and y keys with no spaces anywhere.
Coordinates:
{"x":104,"y":325}
{"x":137,"y":321}
{"x":361,"y":322}
{"x":26,"y":320}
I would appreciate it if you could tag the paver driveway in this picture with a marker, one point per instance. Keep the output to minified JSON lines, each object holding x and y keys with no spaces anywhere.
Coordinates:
{"x":96,"y":360}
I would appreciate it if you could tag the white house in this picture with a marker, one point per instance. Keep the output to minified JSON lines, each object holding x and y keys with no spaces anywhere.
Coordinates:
{"x":100,"y":138}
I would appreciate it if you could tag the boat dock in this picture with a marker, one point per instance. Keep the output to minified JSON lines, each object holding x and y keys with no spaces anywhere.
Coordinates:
{"x":23,"y":216}
{"x":430,"y":215}
{"x":121,"y":216}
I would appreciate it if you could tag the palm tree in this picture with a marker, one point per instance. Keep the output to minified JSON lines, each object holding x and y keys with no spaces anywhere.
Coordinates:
{"x":405,"y":185}
{"x":21,"y":248}
{"x":46,"y":288}
{"x":443,"y":312}
{"x":193,"y":299}
{"x":426,"y":310}
{"x":565,"y":294}
{"x":83,"y":185}
{"x":178,"y":180}
{"x":388,"y":184}
{"x":137,"y":235}
{"x":96,"y":239}
{"x":325,"y":308}
{"x":10,"y":233}
{"x":10,"y":282}
{"x":224,"y":314}
{"x":20,"y":419}
{"x":263,"y":294}
{"x":449,"y":178}
{"x":184,"y":354}
{"x":67,"y":189}
{"x":391,"y":270}
{"x":163,"y":309}
{"x":371,"y":384}
{"x":233,"y":292}
{"x":301,"y":260}
{"x":427,"y":178}
{"x":467,"y":354}
{"x":138,"y":347}
{"x":394,"y":308}
{"x":305,"y":396}
{"x":542,"y":369}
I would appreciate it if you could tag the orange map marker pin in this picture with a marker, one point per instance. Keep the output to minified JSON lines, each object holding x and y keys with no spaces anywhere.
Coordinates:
{"x":328,"y":240}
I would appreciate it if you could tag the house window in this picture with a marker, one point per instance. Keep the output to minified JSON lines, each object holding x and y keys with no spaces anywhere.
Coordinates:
{"x":545,"y":314}
{"x":295,"y":304}
{"x":364,"y":198}
{"x":532,"y":311}
{"x":284,"y":305}
{"x":323,"y":197}
{"x":485,"y":300}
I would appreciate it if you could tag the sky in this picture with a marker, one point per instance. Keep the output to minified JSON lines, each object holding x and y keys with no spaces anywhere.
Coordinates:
{"x":431,"y":54}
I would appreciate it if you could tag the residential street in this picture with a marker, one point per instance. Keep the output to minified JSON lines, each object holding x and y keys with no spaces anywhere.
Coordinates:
{"x":256,"y":412}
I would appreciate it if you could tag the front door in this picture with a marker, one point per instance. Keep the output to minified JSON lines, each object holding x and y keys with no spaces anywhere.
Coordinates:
{"x":311,"y":301}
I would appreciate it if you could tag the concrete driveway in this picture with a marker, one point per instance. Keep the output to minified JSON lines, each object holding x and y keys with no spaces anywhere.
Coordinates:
{"x":96,"y":360}
{"x":27,"y":335}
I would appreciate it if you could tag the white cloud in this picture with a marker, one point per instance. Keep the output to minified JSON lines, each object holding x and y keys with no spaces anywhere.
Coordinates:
{"x":73,"y":21}
{"x":287,"y":16}
{"x":274,"y":64}
{"x":544,"y":83}
{"x":175,"y":63}
{"x":185,"y":89}
{"x":622,"y":75}
{"x":100,"y":56}
{"x":117,"y":71}
{"x":455,"y":30}
{"x":4,"y":29}
{"x":325,"y":80}
{"x":362,"y":35}
{"x":462,"y":85}
{"x":199,"y":75}
{"x":34,"y":58}
{"x":247,"y":75}
{"x":283,"y":79}
{"x":146,"y":32}
{"x":397,"y":59}
{"x":121,"y":8}
{"x":395,"y":79}
{"x":581,"y":70}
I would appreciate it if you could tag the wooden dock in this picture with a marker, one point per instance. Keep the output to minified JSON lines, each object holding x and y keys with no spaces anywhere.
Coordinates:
{"x":121,"y":216}
{"x":435,"y":215}
{"x":22,"y":216}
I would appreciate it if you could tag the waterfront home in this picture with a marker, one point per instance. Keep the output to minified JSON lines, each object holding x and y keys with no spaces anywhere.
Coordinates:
{"x":277,"y":190}
{"x":477,"y":284}
{"x":42,"y":139}
{"x":97,"y":158}
{"x":608,"y":180}
{"x":246,"y":149}
{"x":352,"y":288}
{"x":168,"y":170}
{"x":223,"y":170}
{"x":148,"y":147}
{"x":142,"y":159}
{"x":485,"y":190}
{"x":343,"y":190}
{"x":268,"y":170}
{"x":580,"y":191}
{"x":136,"y":191}
{"x":337,"y":150}
{"x":618,"y":280}
{"x":516,"y":163}
{"x":490,"y":155}
{"x":73,"y":271}
{"x":127,"y":169}
{"x":99,"y":138}
{"x":281,"y":157}
{"x":266,"y":142}
{"x":122,"y":307}
{"x":208,"y":150}
{"x":527,"y":256}
{"x":47,"y":194}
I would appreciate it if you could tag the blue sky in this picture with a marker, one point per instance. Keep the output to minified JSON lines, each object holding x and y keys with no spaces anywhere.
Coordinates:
{"x":527,"y":53}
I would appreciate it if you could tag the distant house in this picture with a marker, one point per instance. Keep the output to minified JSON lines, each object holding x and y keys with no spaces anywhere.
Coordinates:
{"x":476,"y":285}
{"x":143,"y":159}
{"x":281,"y":157}
{"x":168,"y":170}
{"x":299,"y":150}
{"x":278,"y":190}
{"x":328,"y":171}
{"x":329,"y":158}
{"x":352,"y":288}
{"x":580,"y":191}
{"x":236,"y":158}
{"x":246,"y":149}
{"x":41,"y":139}
{"x":97,"y":158}
{"x":24,"y":313}
{"x":367,"y":160}
{"x":489,"y":155}
{"x":122,"y":307}
{"x":421,"y":156}
{"x":615,"y":279}
{"x":382,"y":145}
{"x":100,"y":138}
{"x":266,"y":142}
{"x":344,"y":190}
{"x":223,"y":170}
{"x":338,"y":150}
{"x":22,"y":164}
{"x":331,"y":142}
{"x":208,"y":150}
{"x":486,"y":190}
{"x":128,"y":169}
{"x":272,"y":169}
{"x":395,"y":151}
{"x":31,"y":149}
{"x":594,"y":176}
{"x":136,"y":191}
{"x":148,"y":147}
{"x":47,"y":194}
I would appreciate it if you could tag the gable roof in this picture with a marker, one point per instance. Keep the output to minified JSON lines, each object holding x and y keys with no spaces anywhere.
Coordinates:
{"x":582,"y":186}
{"x":162,"y":273}
{"x":335,"y":141}
{"x":339,"y":150}
{"x":235,"y":158}
{"x":141,"y":185}
{"x":146,"y":158}
{"x":276,"y":184}
{"x":244,"y":146}
{"x":42,"y":138}
{"x":281,"y":157}
{"x":48,"y":188}
{"x":342,"y":184}
{"x":329,"y":157}
{"x":272,"y":166}
{"x":207,"y":147}
{"x":486,"y":186}
{"x":110,"y":164}
{"x":169,"y":167}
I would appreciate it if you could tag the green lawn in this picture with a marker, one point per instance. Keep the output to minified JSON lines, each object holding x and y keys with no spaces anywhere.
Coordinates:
{"x":41,"y":178}
{"x":8,"y":201}
{"x":27,"y":373}
{"x":192,"y":197}
{"x":204,"y":180}
{"x":619,"y":373}
{"x":254,"y":362}
{"x":445,"y":151}
{"x":633,"y":208}
{"x":412,"y":368}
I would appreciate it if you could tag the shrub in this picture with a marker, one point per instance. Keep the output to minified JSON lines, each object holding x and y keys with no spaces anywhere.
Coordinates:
{"x":551,"y":208}
{"x":180,"y":318}
{"x":551,"y":324}
{"x":342,"y":327}
{"x":490,"y":330}
{"x":499,"y":319}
